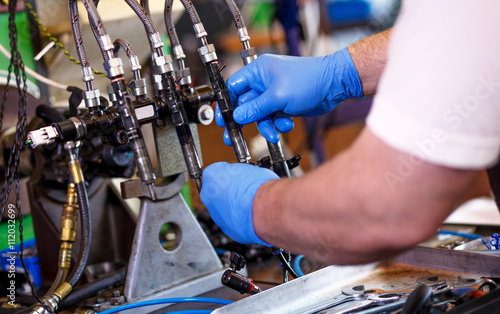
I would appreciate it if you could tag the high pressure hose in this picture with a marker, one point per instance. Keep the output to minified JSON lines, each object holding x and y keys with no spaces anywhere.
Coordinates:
{"x":183,"y":74}
{"x":87,"y":74}
{"x":145,"y":5}
{"x":143,"y":14}
{"x":209,"y":58}
{"x":135,"y":65}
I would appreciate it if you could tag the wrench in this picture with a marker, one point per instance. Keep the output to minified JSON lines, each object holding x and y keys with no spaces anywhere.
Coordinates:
{"x":374,"y":296}
{"x":357,"y":293}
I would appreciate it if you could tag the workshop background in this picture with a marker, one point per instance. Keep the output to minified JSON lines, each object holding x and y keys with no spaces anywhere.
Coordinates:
{"x":300,"y":28}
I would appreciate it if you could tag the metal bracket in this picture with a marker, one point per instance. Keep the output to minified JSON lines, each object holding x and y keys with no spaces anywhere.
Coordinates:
{"x":154,"y":271}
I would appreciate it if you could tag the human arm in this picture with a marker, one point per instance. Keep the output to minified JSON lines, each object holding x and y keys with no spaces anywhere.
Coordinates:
{"x":369,"y":56}
{"x":358,"y":207}
{"x":370,"y":202}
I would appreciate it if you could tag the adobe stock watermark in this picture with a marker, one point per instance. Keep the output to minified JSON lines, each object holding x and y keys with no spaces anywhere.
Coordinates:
{"x":326,"y":247}
{"x":452,"y":119}
{"x":11,"y":253}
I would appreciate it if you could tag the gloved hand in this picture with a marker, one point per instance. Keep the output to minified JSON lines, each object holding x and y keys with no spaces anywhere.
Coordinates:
{"x":228,"y":191}
{"x":293,"y":86}
{"x":268,"y":127}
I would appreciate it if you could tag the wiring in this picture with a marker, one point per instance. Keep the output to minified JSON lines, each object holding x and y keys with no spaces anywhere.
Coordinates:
{"x":286,"y":264}
{"x":460,"y":234}
{"x":36,"y":75}
{"x":53,"y":39}
{"x":12,"y":174}
{"x":296,"y":265}
{"x":166,"y":301}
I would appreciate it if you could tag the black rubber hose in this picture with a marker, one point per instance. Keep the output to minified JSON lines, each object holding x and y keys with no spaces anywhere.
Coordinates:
{"x":174,"y":39}
{"x":143,"y":15}
{"x":49,"y":115}
{"x":91,"y":289}
{"x":83,"y":202}
{"x":193,"y":15}
{"x":238,"y":20}
{"x":77,"y":33}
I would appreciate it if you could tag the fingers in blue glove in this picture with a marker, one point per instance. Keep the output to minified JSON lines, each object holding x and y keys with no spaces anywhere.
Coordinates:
{"x":283,"y":122}
{"x":218,"y":116}
{"x":258,"y":108}
{"x":267,"y":130}
{"x":228,"y":192}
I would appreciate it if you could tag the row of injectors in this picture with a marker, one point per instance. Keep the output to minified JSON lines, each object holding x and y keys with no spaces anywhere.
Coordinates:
{"x":175,"y":99}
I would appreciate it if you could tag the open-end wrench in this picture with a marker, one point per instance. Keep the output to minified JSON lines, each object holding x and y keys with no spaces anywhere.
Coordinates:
{"x":357,"y":293}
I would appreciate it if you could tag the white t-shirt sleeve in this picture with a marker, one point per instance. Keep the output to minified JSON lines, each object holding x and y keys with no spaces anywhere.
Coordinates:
{"x":439,"y":96}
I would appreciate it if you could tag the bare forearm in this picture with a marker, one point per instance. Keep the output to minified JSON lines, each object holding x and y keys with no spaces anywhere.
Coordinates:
{"x":345,"y":212}
{"x":370,"y":57}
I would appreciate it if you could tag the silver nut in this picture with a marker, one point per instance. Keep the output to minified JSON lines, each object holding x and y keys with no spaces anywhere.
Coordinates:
{"x":206,"y":49}
{"x":91,"y":94}
{"x":158,"y":82}
{"x":207,"y":53}
{"x":114,"y":67}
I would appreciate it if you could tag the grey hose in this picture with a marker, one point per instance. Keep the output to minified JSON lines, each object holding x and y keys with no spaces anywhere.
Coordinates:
{"x":125,"y":45}
{"x":143,"y":15}
{"x":97,"y":27}
{"x":77,"y":33}
{"x":174,"y":39}
{"x":193,"y":15}
{"x":238,"y":20}
{"x":145,"y":5}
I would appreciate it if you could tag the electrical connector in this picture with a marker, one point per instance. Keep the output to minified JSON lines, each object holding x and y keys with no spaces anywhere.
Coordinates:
{"x":43,"y":136}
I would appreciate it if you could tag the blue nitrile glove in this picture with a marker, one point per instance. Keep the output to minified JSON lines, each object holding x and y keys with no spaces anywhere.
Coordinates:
{"x":293,"y":86}
{"x":228,"y":191}
{"x":268,"y":127}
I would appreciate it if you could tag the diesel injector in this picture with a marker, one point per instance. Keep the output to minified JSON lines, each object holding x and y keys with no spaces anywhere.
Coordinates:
{"x":209,"y":58}
{"x":248,"y":54}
